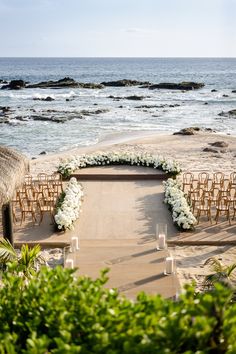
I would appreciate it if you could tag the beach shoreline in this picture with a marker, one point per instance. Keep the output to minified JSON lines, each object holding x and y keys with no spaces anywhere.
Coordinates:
{"x":186,"y":149}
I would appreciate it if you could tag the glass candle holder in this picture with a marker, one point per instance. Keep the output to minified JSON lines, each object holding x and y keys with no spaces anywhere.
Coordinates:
{"x":161,"y":236}
{"x":74,"y":244}
{"x":169,"y":266}
{"x":69,"y":264}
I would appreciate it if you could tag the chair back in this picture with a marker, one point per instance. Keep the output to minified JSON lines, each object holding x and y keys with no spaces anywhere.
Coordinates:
{"x":232,"y":178}
{"x":218,"y":178}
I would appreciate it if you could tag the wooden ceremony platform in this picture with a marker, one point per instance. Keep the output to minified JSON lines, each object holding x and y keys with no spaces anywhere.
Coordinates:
{"x":117,"y":226}
{"x":120,"y":173}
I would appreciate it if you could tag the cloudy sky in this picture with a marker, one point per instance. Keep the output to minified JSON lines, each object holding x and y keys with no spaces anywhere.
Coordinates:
{"x":118,"y":28}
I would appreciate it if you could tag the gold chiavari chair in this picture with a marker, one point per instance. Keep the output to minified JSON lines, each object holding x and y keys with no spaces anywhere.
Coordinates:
{"x":234,"y":210}
{"x":204,"y":208}
{"x":214,"y":196}
{"x":203,"y":178}
{"x":232,"y":195}
{"x":57,"y":186}
{"x":46,"y":206}
{"x":195,"y":198}
{"x":218,"y":179}
{"x":28,"y":207}
{"x":28,"y":180}
{"x":232,"y":179}
{"x":222,"y":207}
{"x":188,"y":180}
{"x":53,"y":195}
{"x":43,"y":180}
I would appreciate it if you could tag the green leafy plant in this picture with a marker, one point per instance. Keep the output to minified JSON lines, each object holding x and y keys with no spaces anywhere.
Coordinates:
{"x":27,"y":261}
{"x":56,"y":312}
{"x":221,"y":273}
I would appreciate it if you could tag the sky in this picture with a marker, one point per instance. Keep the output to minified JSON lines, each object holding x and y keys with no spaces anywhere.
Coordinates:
{"x":117,"y":28}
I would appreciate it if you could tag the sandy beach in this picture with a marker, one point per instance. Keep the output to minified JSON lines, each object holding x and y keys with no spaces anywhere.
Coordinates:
{"x":188,"y":151}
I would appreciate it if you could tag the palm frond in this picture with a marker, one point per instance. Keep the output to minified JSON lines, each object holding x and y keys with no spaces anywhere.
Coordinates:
{"x":30,"y":256}
{"x":7,"y":252}
{"x":230,"y":269}
{"x":215,"y":264}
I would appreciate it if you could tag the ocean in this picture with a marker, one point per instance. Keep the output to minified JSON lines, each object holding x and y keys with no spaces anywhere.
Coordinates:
{"x":89,"y":115}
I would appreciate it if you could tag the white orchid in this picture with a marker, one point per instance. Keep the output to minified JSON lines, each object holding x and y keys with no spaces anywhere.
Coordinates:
{"x":119,"y":158}
{"x":175,"y":198}
{"x":70,"y":207}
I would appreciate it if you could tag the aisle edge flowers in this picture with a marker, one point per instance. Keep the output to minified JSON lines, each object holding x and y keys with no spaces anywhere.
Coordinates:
{"x":176,"y":199}
{"x":68,"y":207}
{"x":119,"y":158}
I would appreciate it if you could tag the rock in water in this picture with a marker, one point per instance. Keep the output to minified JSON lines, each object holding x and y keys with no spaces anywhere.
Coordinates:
{"x":125,"y":82}
{"x":14,"y":85}
{"x":178,"y":86}
{"x":229,"y":114}
{"x":47,"y":99}
{"x":63,"y":83}
{"x":90,"y":85}
{"x":132,"y":98}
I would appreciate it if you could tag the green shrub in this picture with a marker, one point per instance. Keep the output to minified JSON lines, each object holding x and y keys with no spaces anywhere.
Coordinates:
{"x":54,"y":312}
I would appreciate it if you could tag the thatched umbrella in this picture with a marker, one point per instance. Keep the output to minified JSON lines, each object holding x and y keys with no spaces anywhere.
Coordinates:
{"x":13,"y":167}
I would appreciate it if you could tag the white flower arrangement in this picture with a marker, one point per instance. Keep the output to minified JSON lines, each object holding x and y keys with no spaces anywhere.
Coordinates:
{"x":69,"y":205}
{"x":175,"y":198}
{"x":119,"y":158}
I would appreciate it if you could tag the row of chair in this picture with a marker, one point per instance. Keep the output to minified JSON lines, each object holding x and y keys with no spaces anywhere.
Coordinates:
{"x":207,"y":194}
{"x":37,"y":197}
{"x":208,"y":181}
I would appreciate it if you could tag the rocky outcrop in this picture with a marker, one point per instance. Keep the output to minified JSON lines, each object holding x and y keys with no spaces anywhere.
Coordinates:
{"x":132,"y":98}
{"x":51,"y":115}
{"x":4,"y":109}
{"x":47,"y":99}
{"x":178,"y":86}
{"x":207,"y":149}
{"x":217,"y":147}
{"x":67,"y":82}
{"x":193,"y":131}
{"x":146,"y":106}
{"x":85,"y":112}
{"x":90,"y":85}
{"x":125,"y":82}
{"x":229,"y":114}
{"x":188,"y":131}
{"x":220,"y":144}
{"x":5,"y":112}
{"x":55,"y":119}
{"x":14,"y":85}
{"x":63,"y":83}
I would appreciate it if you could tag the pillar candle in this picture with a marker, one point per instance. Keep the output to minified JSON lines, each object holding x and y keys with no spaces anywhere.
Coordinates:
{"x":69,"y":263}
{"x":74,"y":244}
{"x":162,"y":241}
{"x":169,"y":265}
